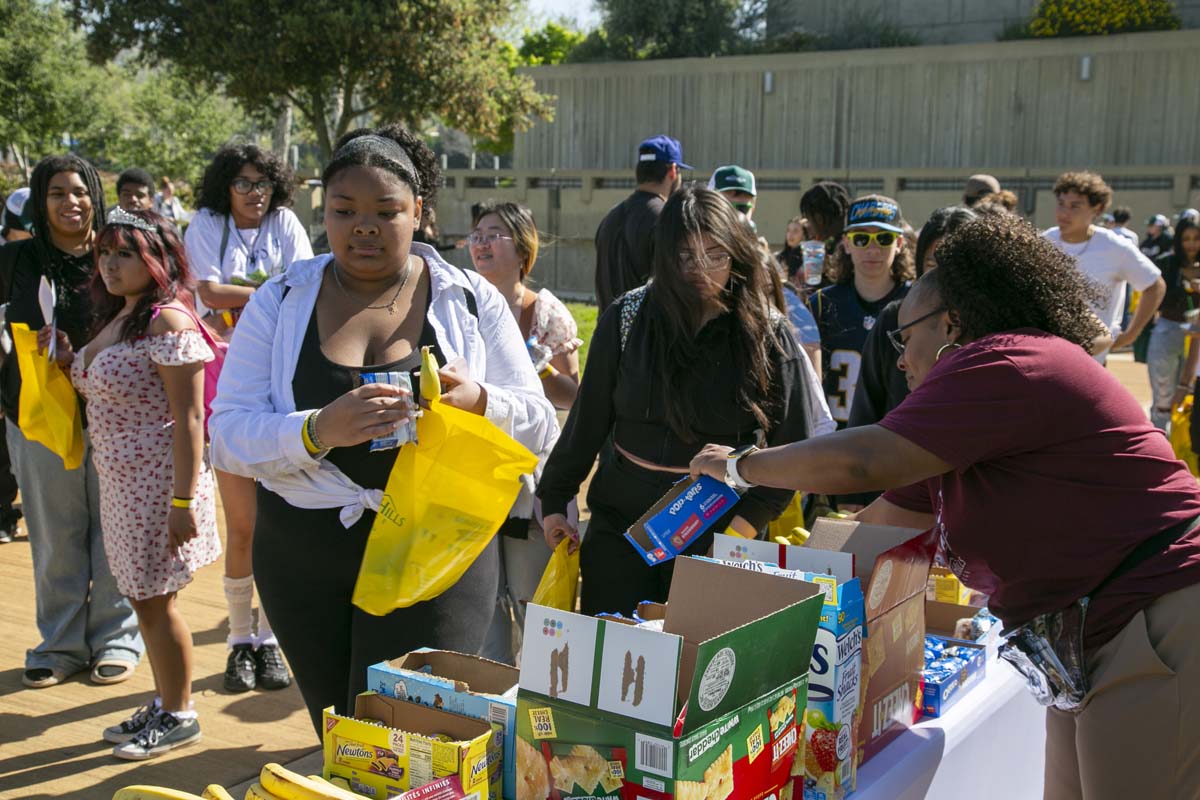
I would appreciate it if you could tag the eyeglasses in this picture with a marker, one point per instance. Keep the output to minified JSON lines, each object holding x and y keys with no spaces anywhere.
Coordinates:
{"x":477,"y":239}
{"x":245,"y":186}
{"x":894,"y":336}
{"x":712,"y":261}
{"x":881,"y":238}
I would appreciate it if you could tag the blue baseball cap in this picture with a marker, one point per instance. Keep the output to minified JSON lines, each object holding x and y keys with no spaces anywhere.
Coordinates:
{"x":874,"y":212}
{"x":662,"y":148}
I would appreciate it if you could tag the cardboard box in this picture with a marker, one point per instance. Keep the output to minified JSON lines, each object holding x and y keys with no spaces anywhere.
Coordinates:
{"x":461,"y":684}
{"x":680,"y":517}
{"x":390,"y":746}
{"x":893,"y":566}
{"x":942,"y":693}
{"x":826,"y":765}
{"x":706,"y":708}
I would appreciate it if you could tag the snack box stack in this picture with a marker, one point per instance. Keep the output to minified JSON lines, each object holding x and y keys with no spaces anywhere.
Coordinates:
{"x":390,"y":747}
{"x":705,"y":709}
{"x":952,"y":668}
{"x":825,"y":767}
{"x":462,"y":684}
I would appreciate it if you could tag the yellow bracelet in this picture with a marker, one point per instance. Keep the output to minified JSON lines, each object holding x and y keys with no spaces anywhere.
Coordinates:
{"x":309,"y":445}
{"x":181,"y":502}
{"x":227,"y":316}
{"x":548,"y":372}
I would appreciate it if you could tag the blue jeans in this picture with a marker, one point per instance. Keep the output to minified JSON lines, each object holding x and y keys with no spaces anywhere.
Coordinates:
{"x":81,"y":615}
{"x":1164,"y":360}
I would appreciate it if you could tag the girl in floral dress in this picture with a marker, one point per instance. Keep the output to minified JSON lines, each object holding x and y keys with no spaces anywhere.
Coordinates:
{"x":142,"y":375}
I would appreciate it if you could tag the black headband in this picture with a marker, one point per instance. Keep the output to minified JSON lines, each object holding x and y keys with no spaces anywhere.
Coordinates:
{"x":382,"y":147}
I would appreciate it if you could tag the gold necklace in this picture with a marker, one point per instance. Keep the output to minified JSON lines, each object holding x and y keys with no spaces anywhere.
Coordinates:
{"x":391,"y":304}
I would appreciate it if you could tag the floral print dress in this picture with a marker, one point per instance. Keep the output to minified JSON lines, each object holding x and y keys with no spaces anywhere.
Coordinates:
{"x":131,"y":430}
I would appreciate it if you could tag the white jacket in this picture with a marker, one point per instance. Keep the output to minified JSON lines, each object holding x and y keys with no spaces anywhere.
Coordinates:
{"x":255,"y":426}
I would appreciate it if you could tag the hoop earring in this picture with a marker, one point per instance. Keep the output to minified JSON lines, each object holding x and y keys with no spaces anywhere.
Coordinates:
{"x":943,"y":348}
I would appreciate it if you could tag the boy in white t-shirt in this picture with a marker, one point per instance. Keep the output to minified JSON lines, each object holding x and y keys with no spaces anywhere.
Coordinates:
{"x":1108,"y":260}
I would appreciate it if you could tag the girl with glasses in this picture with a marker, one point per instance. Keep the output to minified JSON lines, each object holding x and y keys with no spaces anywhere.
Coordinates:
{"x":242,"y":235}
{"x":696,"y":354}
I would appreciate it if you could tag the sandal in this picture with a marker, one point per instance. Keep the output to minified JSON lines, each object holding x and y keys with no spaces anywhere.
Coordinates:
{"x":112,"y":670}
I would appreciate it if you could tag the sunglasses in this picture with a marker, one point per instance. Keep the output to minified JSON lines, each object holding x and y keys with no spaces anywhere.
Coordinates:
{"x":894,"y":336}
{"x":881,"y":238}
{"x":245,"y":186}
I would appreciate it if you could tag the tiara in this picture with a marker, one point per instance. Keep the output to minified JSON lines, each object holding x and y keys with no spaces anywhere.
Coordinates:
{"x":119,"y":216}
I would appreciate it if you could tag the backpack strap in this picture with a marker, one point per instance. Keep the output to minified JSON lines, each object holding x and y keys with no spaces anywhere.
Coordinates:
{"x":631,"y":304}
{"x":224,"y":243}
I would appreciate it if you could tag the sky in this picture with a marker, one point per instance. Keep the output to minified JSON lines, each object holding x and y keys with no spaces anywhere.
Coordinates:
{"x":581,"y":10}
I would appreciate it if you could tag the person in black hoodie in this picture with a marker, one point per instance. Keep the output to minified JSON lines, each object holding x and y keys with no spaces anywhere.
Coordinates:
{"x":83,"y":620}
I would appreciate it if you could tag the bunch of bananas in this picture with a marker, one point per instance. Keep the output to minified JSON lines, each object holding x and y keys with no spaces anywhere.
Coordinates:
{"x":274,"y":783}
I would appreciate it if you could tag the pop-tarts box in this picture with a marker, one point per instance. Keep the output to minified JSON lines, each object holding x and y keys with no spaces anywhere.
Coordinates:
{"x":825,"y":767}
{"x":461,"y":684}
{"x":685,"y":512}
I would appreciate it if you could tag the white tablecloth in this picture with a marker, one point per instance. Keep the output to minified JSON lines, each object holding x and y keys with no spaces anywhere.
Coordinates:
{"x":990,"y":745}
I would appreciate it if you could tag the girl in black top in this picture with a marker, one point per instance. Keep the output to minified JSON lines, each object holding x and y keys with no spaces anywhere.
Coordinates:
{"x":1169,"y":380}
{"x":82,"y":617}
{"x":695,"y":354}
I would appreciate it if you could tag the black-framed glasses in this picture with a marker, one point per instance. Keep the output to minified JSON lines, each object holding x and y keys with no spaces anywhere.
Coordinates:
{"x":894,"y":336}
{"x":861,"y":239}
{"x":245,"y":186}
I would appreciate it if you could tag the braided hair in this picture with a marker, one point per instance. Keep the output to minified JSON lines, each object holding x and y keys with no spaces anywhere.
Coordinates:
{"x":39,"y":188}
{"x":825,"y":206}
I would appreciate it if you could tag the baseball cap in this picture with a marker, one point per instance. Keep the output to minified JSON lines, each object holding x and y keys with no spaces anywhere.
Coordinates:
{"x":874,"y":212}
{"x":1158,"y":219}
{"x":14,"y":210}
{"x":1190,"y":214}
{"x":662,"y":148}
{"x":733,"y":179}
{"x":980,"y":185}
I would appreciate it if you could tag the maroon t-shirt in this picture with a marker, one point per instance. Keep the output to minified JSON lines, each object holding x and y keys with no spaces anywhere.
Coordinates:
{"x":1057,"y":477}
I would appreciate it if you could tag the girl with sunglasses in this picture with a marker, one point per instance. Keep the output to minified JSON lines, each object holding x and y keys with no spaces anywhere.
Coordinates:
{"x":243,"y":234}
{"x":872,"y":269}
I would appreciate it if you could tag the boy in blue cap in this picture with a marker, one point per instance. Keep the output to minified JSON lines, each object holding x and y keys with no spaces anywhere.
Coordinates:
{"x":625,"y":238}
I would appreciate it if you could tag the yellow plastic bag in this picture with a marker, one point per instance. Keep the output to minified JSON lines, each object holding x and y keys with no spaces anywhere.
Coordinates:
{"x":49,"y":412}
{"x":791,"y":518}
{"x":446,"y":497}
{"x":1181,"y":435}
{"x":557,"y":587}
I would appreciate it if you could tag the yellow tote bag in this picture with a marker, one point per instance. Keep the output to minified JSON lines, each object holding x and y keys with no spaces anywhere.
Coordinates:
{"x":557,"y":587}
{"x":446,"y":497}
{"x":49,"y":407}
{"x":1181,"y":435}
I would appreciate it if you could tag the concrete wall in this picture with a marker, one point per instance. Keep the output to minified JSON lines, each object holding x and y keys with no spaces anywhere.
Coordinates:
{"x":932,"y":21}
{"x":568,"y":205}
{"x":1127,"y":100}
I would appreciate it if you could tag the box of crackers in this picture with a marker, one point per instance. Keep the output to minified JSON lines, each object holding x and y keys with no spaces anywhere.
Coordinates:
{"x":462,"y":684}
{"x":390,"y":747}
{"x":704,"y":709}
{"x":825,"y":767}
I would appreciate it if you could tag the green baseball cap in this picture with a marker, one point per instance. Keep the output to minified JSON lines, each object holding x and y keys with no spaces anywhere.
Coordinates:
{"x":733,"y":178}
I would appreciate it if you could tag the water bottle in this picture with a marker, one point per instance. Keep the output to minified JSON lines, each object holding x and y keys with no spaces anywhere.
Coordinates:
{"x":814,"y":262}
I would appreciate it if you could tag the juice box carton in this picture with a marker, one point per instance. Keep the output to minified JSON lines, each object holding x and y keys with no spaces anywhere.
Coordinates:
{"x":705,"y":708}
{"x":390,"y":747}
{"x":461,"y":684}
{"x":682,"y":515}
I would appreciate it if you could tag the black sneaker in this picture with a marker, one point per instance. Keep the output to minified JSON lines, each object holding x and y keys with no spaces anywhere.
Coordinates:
{"x":240,"y":669}
{"x":119,"y":734}
{"x":9,"y":517}
{"x":270,"y":671}
{"x":164,"y":733}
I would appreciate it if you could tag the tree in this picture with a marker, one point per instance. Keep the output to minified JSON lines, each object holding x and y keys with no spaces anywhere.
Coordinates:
{"x":670,"y":28}
{"x":338,"y":62}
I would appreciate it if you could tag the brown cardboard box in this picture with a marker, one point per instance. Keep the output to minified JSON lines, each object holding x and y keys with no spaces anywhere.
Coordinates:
{"x":893,"y":565}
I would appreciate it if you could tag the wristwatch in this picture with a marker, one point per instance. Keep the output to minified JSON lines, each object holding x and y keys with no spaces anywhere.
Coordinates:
{"x":733,"y":478}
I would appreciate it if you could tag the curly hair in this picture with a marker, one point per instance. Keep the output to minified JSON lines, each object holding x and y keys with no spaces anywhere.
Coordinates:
{"x":1088,"y":184}
{"x":941,"y":222}
{"x":675,"y":311}
{"x":228,"y":162}
{"x":997,"y":273}
{"x":424,"y":182}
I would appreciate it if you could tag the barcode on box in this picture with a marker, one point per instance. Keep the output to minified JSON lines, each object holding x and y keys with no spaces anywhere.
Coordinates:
{"x":653,"y":756}
{"x":498,"y":714}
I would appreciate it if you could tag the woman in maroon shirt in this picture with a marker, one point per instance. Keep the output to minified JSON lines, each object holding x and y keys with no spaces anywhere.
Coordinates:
{"x":1046,"y":483}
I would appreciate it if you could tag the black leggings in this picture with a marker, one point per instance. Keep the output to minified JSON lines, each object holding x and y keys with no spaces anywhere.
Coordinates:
{"x":615,"y":578}
{"x":305,"y":566}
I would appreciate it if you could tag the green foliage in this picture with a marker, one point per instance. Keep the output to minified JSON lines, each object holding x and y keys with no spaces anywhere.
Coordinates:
{"x":863,"y":30}
{"x":636,"y":29}
{"x":1099,"y":17}
{"x":340,"y":63}
{"x":585,"y":315}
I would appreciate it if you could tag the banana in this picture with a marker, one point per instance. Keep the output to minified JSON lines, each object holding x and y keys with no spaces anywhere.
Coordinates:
{"x":289,"y":785}
{"x":431,"y":384}
{"x":257,"y":792}
{"x":215,"y":792}
{"x":152,"y":793}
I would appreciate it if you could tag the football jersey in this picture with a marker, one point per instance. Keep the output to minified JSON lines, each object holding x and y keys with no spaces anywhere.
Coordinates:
{"x":844,"y":319}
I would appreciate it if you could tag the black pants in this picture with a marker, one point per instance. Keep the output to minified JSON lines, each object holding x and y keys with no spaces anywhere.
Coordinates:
{"x":8,"y":483}
{"x":615,"y":578}
{"x":305,"y":567}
